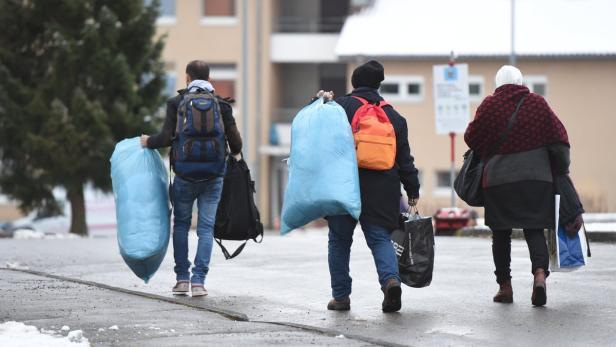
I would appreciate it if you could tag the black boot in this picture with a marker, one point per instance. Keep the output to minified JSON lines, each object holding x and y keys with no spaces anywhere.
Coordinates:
{"x":392,"y":301}
{"x":539,"y":297}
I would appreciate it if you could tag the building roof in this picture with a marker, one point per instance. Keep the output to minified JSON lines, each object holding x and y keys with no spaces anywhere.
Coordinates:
{"x":480,"y":28}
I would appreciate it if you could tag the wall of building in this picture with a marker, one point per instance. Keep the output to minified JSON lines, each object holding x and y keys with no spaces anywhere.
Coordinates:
{"x":580,"y":92}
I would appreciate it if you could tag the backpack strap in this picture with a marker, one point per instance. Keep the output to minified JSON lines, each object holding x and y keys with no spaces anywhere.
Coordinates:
{"x":226,"y":253}
{"x":362,"y":100}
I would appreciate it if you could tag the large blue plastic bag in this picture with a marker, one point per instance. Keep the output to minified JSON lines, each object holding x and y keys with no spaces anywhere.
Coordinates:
{"x":140,"y":189}
{"x":323,"y":174}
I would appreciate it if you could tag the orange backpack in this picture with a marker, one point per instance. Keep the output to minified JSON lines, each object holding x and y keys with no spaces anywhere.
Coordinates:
{"x":375,"y":138}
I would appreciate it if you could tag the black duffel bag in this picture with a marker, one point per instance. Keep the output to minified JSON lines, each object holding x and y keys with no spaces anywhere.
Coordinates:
{"x":237,"y":217}
{"x":468,"y":182}
{"x":413,"y":242}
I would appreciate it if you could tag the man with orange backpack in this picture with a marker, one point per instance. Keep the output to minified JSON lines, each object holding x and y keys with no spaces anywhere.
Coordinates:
{"x":384,"y":160}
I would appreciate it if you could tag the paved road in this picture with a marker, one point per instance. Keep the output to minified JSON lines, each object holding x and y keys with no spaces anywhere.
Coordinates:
{"x":285,"y":279}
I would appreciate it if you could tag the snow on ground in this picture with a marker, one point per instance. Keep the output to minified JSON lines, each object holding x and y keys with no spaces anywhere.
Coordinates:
{"x":28,"y":234}
{"x":600,"y":217}
{"x":17,"y":334}
{"x":608,"y":227}
{"x":15,"y":265}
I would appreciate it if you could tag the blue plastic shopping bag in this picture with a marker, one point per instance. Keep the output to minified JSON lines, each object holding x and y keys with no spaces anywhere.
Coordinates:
{"x":567,"y":252}
{"x":323,"y":174}
{"x":570,"y":249}
{"x":140,"y":189}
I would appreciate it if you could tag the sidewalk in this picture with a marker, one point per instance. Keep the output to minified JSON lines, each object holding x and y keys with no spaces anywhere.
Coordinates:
{"x":285,"y":281}
{"x":109,"y":318}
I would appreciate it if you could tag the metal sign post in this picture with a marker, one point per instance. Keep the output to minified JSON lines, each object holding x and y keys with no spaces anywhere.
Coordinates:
{"x":451,"y":106}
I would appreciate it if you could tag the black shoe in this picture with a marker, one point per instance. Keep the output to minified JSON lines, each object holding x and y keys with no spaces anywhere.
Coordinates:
{"x":335,"y":305}
{"x":393,"y":292}
{"x":539,"y":296}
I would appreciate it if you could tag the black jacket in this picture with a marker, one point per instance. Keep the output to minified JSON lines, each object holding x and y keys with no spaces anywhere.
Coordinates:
{"x":380,"y":190}
{"x":519,"y":187}
{"x":166,"y":136}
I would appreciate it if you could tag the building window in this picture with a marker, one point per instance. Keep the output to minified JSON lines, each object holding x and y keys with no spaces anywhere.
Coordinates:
{"x":390,"y":88}
{"x":218,"y":12}
{"x":442,"y":179}
{"x":170,"y":84}
{"x":539,"y":88}
{"x":403,"y":88}
{"x":166,"y":12}
{"x":413,"y":89}
{"x":442,"y":186}
{"x":475,"y":88}
{"x":537,"y":84}
{"x":223,"y":77}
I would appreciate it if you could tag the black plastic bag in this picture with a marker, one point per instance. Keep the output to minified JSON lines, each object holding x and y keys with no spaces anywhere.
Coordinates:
{"x":414,"y":246}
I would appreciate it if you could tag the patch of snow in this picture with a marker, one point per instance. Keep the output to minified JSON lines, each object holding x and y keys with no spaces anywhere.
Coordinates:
{"x":600,"y":217}
{"x":65,"y":328}
{"x":75,"y":336}
{"x":48,"y":332}
{"x":113,"y":327}
{"x":451,"y":330}
{"x":601,"y":227}
{"x":407,"y":28}
{"x":28,"y":234}
{"x":101,"y":329}
{"x":18,"y":334}
{"x":16,"y":265}
{"x":340,"y":337}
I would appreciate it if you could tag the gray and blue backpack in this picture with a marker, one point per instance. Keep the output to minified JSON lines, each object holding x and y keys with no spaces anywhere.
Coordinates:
{"x":200,"y":146}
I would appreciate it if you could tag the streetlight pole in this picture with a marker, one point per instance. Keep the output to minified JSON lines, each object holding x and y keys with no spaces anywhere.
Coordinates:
{"x":512,"y":58}
{"x":452,"y":136}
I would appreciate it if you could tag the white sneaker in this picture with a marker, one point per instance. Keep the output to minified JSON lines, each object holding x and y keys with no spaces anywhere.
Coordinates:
{"x":198,"y":290}
{"x":180,"y":288}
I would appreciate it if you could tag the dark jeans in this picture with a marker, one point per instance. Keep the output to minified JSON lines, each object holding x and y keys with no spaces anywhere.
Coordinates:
{"x":501,"y":251}
{"x":339,"y":253}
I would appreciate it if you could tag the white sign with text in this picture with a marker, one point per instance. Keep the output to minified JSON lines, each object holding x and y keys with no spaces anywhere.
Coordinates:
{"x":451,"y":102}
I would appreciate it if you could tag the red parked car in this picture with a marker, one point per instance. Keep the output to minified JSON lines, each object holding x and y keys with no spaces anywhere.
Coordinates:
{"x":448,"y":220}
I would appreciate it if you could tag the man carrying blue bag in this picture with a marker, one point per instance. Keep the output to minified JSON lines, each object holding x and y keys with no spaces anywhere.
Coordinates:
{"x":379,"y":179}
{"x":198,"y":126}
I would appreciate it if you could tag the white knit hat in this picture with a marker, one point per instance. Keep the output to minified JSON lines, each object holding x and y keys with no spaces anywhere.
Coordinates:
{"x":508,"y":74}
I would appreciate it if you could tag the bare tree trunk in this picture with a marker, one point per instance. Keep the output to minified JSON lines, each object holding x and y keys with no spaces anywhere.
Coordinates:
{"x":78,"y":210}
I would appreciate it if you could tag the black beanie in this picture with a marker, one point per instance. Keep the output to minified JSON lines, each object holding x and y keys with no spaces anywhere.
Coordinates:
{"x":371,"y":74}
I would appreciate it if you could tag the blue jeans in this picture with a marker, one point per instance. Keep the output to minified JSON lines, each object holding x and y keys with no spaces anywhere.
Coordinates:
{"x":340,"y":240}
{"x":185,"y":193}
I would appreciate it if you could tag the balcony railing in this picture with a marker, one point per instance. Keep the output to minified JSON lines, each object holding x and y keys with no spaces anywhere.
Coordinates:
{"x":294,"y":24}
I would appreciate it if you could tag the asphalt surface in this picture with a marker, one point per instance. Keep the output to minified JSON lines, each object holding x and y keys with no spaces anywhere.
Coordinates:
{"x":285,"y":280}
